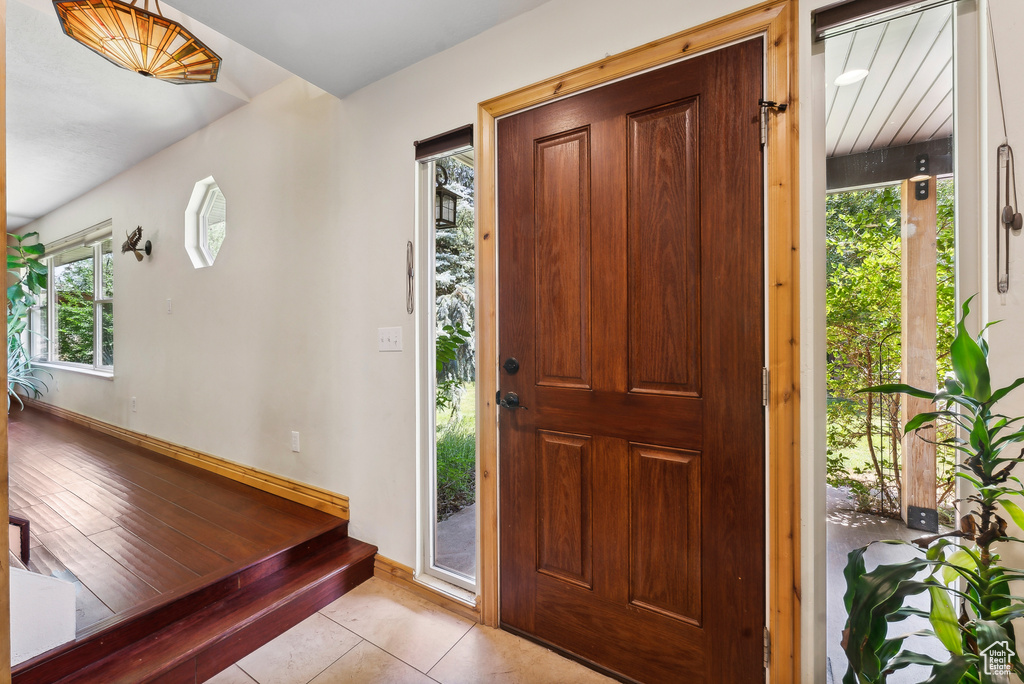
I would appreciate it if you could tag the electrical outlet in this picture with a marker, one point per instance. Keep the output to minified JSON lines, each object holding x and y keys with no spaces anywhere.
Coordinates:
{"x":295,"y":442}
{"x":389,"y":339}
{"x":168,"y":306}
{"x":131,"y":404}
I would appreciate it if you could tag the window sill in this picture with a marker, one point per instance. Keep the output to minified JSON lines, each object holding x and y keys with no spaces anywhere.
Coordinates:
{"x":84,"y":370}
{"x":450,"y":590}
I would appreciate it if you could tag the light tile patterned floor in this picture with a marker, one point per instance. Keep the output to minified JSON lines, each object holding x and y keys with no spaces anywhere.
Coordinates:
{"x":381,"y":633}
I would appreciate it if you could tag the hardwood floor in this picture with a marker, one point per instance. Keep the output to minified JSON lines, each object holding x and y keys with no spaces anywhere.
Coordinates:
{"x":129,"y":526}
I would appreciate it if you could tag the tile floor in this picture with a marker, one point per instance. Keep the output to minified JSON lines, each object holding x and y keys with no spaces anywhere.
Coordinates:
{"x":381,"y":633}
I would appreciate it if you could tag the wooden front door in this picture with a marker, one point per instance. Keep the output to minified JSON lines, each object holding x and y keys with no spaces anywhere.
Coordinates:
{"x":631,"y":295}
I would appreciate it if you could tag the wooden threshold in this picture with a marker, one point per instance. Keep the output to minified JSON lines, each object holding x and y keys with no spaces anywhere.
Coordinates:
{"x":286,"y":488}
{"x":403,"y":576}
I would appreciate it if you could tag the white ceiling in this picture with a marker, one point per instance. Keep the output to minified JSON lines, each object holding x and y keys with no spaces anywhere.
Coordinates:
{"x":343,"y":45}
{"x":907,"y":96}
{"x":74,"y":120}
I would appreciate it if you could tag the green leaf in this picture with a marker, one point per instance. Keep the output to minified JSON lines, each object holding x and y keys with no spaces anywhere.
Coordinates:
{"x":34,"y":250}
{"x":908,"y":611}
{"x":960,"y":559}
{"x":944,"y":621}
{"x":1011,"y":612}
{"x":852,"y":572}
{"x":921,"y":418}
{"x":1002,"y":392}
{"x":934,"y":552}
{"x":898,"y":388}
{"x":910,"y":658}
{"x":1015,"y":512}
{"x":871,"y":597}
{"x":951,"y":671}
{"x":969,"y":361}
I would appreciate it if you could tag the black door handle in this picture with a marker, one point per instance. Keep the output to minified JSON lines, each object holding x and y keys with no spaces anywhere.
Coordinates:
{"x":511,"y":401}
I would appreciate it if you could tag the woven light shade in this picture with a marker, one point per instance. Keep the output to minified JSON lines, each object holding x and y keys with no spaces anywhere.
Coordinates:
{"x":138,"y":39}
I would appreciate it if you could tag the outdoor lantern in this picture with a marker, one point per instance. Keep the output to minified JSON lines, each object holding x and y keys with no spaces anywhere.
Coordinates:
{"x":445,"y":201}
{"x":138,"y":40}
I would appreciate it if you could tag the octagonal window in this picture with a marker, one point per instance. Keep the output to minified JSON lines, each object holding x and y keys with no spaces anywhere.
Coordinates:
{"x":205,"y":223}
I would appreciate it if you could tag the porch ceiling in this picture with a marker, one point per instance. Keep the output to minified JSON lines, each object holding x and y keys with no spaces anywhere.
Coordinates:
{"x":907,"y":96}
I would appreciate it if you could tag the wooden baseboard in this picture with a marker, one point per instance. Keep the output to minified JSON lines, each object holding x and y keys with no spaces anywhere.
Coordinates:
{"x":403,"y":576}
{"x":293,"y":490}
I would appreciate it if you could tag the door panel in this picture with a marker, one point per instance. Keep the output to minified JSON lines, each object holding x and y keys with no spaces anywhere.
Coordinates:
{"x":562,"y":235}
{"x":664,"y":250}
{"x":564,"y":527}
{"x":665,"y":574}
{"x":631,"y":292}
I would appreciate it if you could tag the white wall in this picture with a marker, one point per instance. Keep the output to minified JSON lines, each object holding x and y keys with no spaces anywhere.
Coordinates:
{"x":279,"y":334}
{"x":1005,"y":339}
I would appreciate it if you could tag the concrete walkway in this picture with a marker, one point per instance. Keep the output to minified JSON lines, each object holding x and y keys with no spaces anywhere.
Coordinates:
{"x":847,"y":530}
{"x":455,"y":547}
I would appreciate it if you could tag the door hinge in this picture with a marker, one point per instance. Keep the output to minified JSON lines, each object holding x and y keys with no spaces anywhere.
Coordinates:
{"x":765,"y":105}
{"x":767,"y":648}
{"x":764,"y":386}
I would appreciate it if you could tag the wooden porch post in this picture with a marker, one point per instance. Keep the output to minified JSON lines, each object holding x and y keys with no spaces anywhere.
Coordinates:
{"x":918,"y":256}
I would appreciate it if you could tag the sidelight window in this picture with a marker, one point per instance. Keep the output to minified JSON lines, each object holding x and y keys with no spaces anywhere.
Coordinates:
{"x":446,"y":355}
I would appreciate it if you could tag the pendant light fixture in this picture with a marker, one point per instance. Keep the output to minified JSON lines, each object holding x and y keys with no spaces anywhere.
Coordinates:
{"x":139,"y":40}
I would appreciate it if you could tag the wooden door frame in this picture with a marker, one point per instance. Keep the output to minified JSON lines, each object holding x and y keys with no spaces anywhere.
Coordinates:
{"x":777,"y":21}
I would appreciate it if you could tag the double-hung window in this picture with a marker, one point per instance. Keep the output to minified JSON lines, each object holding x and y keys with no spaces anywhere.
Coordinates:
{"x":73,"y":321}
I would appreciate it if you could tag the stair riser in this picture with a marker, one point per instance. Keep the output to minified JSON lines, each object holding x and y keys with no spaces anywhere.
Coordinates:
{"x":221,"y":654}
{"x":202,"y":644}
{"x":51,"y":667}
{"x":228,"y":651}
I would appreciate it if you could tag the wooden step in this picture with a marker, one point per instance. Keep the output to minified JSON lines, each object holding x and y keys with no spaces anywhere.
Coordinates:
{"x":209,"y":627}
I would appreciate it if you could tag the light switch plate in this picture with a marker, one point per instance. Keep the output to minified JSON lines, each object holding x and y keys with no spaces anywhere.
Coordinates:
{"x":389,"y":339}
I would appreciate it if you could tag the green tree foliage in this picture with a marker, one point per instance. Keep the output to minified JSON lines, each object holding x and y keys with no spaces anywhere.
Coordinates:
{"x":455,"y":289}
{"x":455,"y":282}
{"x":76,"y":310}
{"x":863,"y":338}
{"x":75,"y":323}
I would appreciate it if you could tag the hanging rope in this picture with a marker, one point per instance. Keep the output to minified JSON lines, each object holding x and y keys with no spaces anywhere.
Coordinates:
{"x":995,"y":61}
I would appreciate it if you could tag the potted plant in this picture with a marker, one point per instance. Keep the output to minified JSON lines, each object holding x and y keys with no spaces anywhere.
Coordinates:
{"x":967,"y":583}
{"x":29,"y":279}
